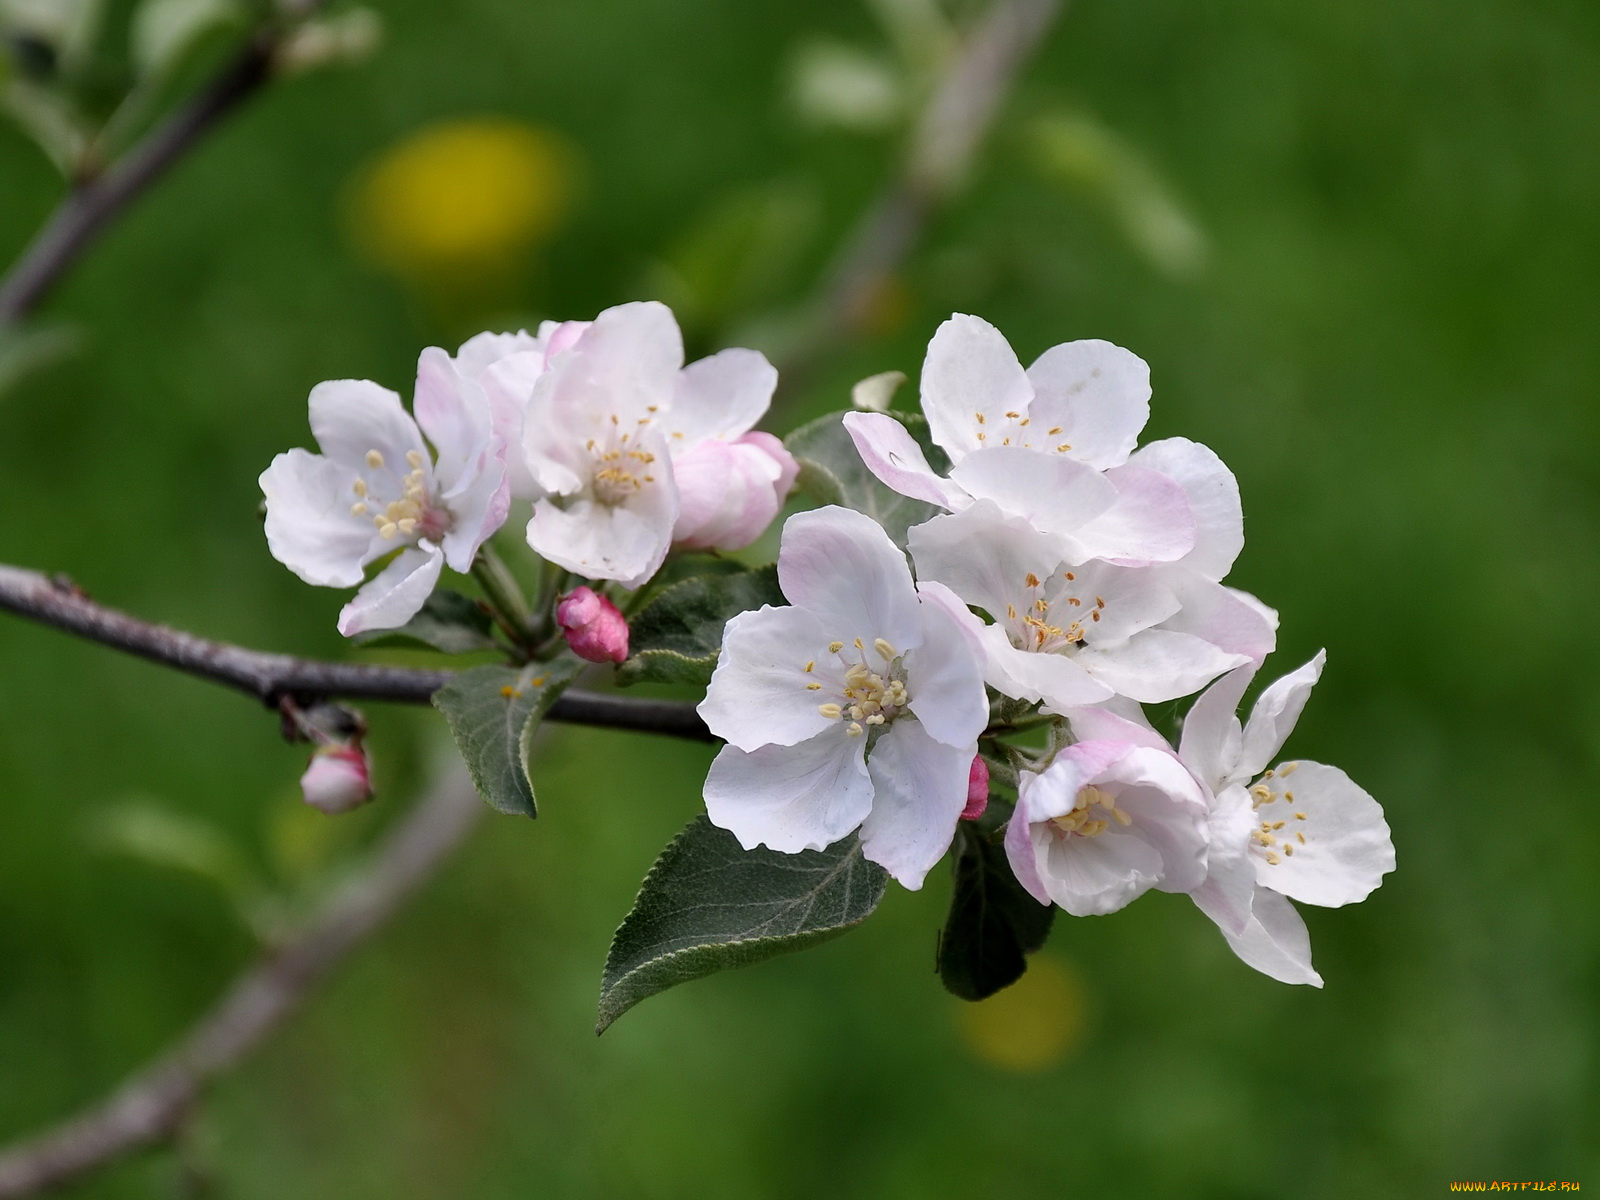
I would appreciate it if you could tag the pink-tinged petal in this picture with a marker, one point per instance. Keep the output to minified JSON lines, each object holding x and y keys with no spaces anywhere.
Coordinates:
{"x":1275,"y":941}
{"x":309,"y":526}
{"x":1100,"y":722}
{"x":791,"y":798}
{"x":713,"y":491}
{"x":1054,"y":791}
{"x":559,"y":336}
{"x":968,"y":622}
{"x":1276,"y":711}
{"x":1020,"y":854}
{"x":1053,"y":493}
{"x":1158,"y":665}
{"x":760,"y":692}
{"x":350,"y":417}
{"x":1097,"y":393}
{"x":455,"y":415}
{"x":625,"y":542}
{"x":919,"y":787}
{"x":770,"y":445}
{"x":1058,"y":680}
{"x":395,"y":594}
{"x":983,"y":556}
{"x":1091,"y":877}
{"x":944,"y":677}
{"x":625,"y":365}
{"x":1112,"y":603}
{"x":593,"y":627}
{"x":841,"y":566}
{"x":338,"y":778}
{"x":1213,"y":498}
{"x":970,"y":370}
{"x":478,"y":507}
{"x":508,"y":386}
{"x":1225,"y":896}
{"x":556,"y":458}
{"x":720,"y":397}
{"x":892,"y":454}
{"x":1212,"y":737}
{"x":1148,"y":522}
{"x":478,"y":354}
{"x":1169,"y":812}
{"x":1230,"y":620}
{"x":1346,"y":850}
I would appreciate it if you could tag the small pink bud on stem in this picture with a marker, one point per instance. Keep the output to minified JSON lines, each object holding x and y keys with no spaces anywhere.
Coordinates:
{"x":338,"y":778}
{"x":977,"y":789}
{"x":593,"y":626}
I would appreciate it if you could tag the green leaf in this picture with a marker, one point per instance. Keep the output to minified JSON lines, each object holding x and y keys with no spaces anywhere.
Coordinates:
{"x":32,"y":348}
{"x":676,"y":636}
{"x":707,"y":906}
{"x":832,"y":472}
{"x":993,"y":924}
{"x":493,"y":713}
{"x":164,"y":31}
{"x":449,"y":621}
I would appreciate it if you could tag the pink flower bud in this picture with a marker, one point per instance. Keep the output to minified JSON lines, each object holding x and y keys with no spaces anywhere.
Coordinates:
{"x":338,"y":778}
{"x":977,"y":789}
{"x":593,"y":626}
{"x":729,"y":492}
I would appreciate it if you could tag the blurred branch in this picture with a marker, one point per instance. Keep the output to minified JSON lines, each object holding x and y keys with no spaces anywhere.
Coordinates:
{"x":944,"y":139}
{"x":152,"y":1105}
{"x":95,"y":202}
{"x":59,"y":603}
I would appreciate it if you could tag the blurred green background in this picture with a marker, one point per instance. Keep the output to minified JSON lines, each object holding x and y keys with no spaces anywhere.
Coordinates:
{"x":1358,"y":244}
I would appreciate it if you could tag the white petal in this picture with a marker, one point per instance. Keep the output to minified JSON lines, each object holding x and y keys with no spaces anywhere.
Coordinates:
{"x":713,"y":491}
{"x":309,"y":526}
{"x":626,"y":362}
{"x":508,"y":385}
{"x":1169,"y":812}
{"x":842,"y":566}
{"x":1230,"y":868}
{"x":919,"y":789}
{"x":944,"y":676}
{"x":601,"y":541}
{"x":1053,"y":493}
{"x":1275,"y":941}
{"x":1273,"y":718}
{"x":1149,"y":522}
{"x":1090,"y":877}
{"x":479,"y":505}
{"x":1057,"y":679}
{"x":1229,"y":619}
{"x":1213,"y":498}
{"x":1099,"y":722}
{"x":1347,"y":850}
{"x":983,"y":555}
{"x":1158,"y":665}
{"x":791,"y":798}
{"x":892,"y":454}
{"x":721,"y":396}
{"x":1114,"y":603}
{"x":349,"y":417}
{"x":970,"y":369}
{"x":1098,"y":393}
{"x":1212,"y":736}
{"x":395,"y":594}
{"x":758,"y":693}
{"x":478,"y":353}
{"x":455,"y":414}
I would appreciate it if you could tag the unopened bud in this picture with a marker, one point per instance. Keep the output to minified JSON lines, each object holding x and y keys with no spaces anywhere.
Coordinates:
{"x":977,"y":789}
{"x":337,"y":779}
{"x":593,"y":626}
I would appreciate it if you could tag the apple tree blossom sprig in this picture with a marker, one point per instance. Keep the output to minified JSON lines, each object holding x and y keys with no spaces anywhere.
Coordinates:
{"x":950,"y":657}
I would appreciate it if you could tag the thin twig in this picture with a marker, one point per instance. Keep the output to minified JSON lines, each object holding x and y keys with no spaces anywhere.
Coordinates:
{"x":152,"y":1105}
{"x":271,"y":677}
{"x":88,"y":209}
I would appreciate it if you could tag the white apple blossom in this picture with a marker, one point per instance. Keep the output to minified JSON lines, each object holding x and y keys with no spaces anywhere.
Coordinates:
{"x":606,"y":418}
{"x":375,"y":489}
{"x":1297,"y":831}
{"x":1103,"y":824}
{"x":1066,"y":633}
{"x":1050,"y":444}
{"x":857,"y":706}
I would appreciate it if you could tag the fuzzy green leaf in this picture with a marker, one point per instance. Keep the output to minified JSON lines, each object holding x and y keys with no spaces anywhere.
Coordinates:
{"x":493,"y":713}
{"x":831,"y":471}
{"x":993,"y":924}
{"x":675,"y":638}
{"x":707,"y":906}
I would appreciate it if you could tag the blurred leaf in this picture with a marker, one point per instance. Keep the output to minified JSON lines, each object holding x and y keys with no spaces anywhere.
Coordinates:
{"x":1087,"y":158}
{"x":834,"y":83}
{"x":831,"y":471}
{"x":993,"y":923}
{"x":344,"y":39}
{"x":47,"y":117}
{"x":707,"y":905}
{"x":493,"y":713}
{"x":675,"y":638}
{"x":24,"y":351}
{"x":164,"y":31}
{"x":449,"y":621}
{"x":876,"y":392}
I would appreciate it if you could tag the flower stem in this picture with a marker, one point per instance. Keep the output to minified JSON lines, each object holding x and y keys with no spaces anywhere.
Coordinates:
{"x":500,"y":588}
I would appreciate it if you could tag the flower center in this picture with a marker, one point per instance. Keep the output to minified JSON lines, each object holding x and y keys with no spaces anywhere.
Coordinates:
{"x":411,"y":514}
{"x":620,"y":470}
{"x":1017,"y":429}
{"x":1278,"y":833}
{"x":1082,"y":820}
{"x":871,"y":695}
{"x":1036,"y":627}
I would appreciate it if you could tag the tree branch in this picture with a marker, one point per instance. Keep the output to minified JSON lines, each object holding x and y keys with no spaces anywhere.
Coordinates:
{"x":151,"y":1105}
{"x":88,"y":209}
{"x":271,"y":677}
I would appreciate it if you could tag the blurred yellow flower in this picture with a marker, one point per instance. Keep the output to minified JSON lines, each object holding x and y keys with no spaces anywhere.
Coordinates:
{"x":462,"y":198}
{"x":1032,"y":1025}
